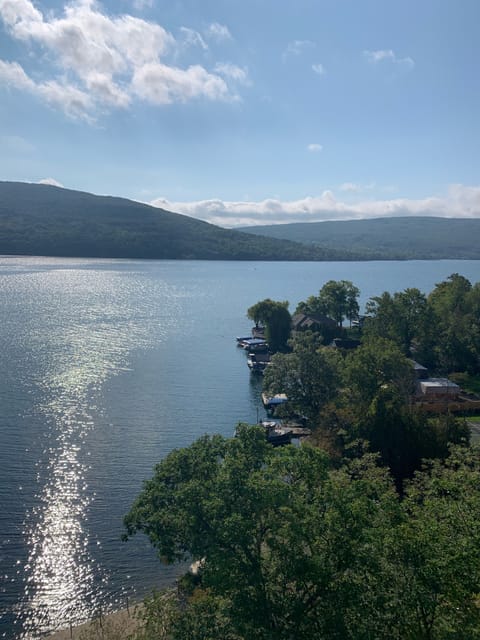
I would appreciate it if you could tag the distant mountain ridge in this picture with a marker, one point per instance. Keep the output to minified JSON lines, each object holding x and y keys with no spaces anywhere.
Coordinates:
{"x":420,"y":238}
{"x":38,"y":219}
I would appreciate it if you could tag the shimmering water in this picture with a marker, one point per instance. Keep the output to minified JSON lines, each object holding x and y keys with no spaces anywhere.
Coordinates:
{"x":105,"y":367}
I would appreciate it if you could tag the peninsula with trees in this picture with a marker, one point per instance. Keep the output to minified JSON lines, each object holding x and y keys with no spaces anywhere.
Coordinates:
{"x":369,"y":531}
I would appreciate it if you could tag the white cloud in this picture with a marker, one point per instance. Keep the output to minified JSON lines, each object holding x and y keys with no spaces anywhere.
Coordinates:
{"x":160,"y":84}
{"x":52,"y":182}
{"x":374,"y":57}
{"x":461,"y":202}
{"x":192,"y":38}
{"x":233,"y":72}
{"x":297,"y":47}
{"x":106,"y":91}
{"x":319,"y":69}
{"x":314,"y":147}
{"x":102,"y":61}
{"x":218,"y":32}
{"x":13,"y":74}
{"x":73,"y":101}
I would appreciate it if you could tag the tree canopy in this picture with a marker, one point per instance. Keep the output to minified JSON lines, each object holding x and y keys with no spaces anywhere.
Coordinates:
{"x":310,"y":375}
{"x":276,"y":319}
{"x":291,"y":548}
{"x":442,"y":330}
{"x":337,"y":299}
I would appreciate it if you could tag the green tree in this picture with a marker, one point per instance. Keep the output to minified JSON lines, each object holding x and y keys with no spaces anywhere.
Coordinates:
{"x":310,"y":375}
{"x":276,"y":318}
{"x":293,"y":549}
{"x":280,"y":536}
{"x":377,"y":364}
{"x":312,"y":306}
{"x":337,"y":299}
{"x":403,"y":318}
{"x":405,"y":436}
{"x":436,"y":550}
{"x":340,"y":298}
{"x":456,"y":325}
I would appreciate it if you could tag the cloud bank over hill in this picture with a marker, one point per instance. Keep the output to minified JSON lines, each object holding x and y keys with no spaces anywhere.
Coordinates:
{"x":460,"y":202}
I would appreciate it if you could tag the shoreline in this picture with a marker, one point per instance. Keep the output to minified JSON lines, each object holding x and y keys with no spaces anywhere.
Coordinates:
{"x":115,"y":625}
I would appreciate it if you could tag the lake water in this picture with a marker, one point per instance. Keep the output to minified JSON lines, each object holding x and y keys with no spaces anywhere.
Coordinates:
{"x":107,"y":365}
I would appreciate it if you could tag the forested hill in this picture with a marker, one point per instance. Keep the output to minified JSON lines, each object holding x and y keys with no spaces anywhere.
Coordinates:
{"x":401,"y":238}
{"x":38,"y":219}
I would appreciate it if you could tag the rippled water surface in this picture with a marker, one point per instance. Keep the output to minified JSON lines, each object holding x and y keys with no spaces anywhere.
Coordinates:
{"x":105,"y":367}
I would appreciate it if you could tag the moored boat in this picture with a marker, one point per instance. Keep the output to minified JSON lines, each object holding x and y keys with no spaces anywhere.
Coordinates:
{"x":254,"y":344}
{"x":258,"y":362}
{"x":276,"y":434}
{"x":271,"y":402}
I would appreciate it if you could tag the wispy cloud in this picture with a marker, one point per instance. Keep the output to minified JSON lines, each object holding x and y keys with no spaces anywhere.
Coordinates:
{"x":356,"y":187}
{"x":192,"y":38}
{"x":218,"y":32}
{"x":297,"y":47}
{"x":314,"y":147}
{"x":232,"y":71}
{"x":374,"y":57}
{"x":319,"y":69}
{"x":73,"y":101}
{"x":103,"y":62}
{"x":461,"y":202}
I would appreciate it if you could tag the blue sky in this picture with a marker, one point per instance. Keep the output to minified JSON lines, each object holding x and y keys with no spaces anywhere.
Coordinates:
{"x":247,"y":112}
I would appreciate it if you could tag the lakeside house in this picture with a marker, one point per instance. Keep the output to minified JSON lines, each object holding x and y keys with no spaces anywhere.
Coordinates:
{"x":317,"y":322}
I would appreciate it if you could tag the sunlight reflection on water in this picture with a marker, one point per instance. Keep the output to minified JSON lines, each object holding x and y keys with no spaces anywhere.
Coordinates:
{"x":84,"y":338}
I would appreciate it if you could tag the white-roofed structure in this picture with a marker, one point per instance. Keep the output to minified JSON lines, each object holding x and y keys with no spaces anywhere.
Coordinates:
{"x":438,"y":389}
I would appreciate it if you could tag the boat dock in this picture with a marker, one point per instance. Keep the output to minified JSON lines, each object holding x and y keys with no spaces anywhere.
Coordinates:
{"x":278,"y":432}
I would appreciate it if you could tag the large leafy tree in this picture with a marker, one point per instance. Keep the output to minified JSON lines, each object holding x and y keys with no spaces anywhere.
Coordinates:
{"x":276,"y":318}
{"x":404,"y":318}
{"x":454,"y":303}
{"x":265,"y":522}
{"x":436,"y":550}
{"x":341,"y":299}
{"x":337,"y":299}
{"x":405,"y":436}
{"x":376,"y":365}
{"x":293,"y":549}
{"x":310,"y":375}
